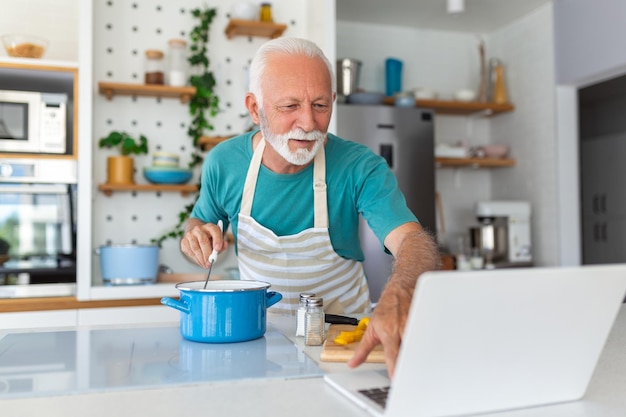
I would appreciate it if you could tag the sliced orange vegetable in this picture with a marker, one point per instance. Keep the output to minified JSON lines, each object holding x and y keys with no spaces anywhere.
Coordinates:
{"x":345,"y":337}
{"x":363,"y":323}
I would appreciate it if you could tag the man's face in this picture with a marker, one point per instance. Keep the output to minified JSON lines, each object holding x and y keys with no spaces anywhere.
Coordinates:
{"x":297,"y":106}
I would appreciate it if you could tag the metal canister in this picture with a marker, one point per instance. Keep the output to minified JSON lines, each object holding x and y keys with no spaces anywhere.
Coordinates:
{"x":348,"y":74}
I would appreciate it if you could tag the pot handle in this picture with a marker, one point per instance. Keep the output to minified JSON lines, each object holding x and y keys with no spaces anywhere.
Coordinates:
{"x":272,"y":298}
{"x":176,"y":304}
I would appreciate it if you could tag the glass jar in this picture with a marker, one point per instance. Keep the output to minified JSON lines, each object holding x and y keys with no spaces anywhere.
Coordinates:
{"x":314,"y":330}
{"x":177,"y":70}
{"x":265,"y":14}
{"x":154,"y":67}
{"x":301,"y":312}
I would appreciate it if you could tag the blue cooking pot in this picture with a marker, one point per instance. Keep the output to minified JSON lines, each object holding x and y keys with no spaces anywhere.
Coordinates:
{"x":223,"y":312}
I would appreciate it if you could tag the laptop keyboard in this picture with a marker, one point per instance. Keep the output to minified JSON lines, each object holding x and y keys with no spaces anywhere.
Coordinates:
{"x":378,"y":395}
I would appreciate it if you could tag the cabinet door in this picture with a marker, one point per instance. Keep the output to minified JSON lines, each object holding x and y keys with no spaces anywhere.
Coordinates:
{"x":604,"y":239}
{"x":603,"y":169}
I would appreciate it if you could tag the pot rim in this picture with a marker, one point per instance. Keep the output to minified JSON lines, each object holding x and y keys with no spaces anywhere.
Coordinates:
{"x":226,"y":285}
{"x":128,"y":245}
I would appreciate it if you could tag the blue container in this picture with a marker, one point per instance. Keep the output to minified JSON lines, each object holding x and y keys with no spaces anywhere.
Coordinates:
{"x":393,"y":76}
{"x":129,"y":264}
{"x":226,"y":311}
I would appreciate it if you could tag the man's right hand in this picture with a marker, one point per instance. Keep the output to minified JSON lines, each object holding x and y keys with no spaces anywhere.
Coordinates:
{"x":200,"y":239}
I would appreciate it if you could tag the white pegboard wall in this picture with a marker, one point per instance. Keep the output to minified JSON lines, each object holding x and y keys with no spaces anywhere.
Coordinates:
{"x":123,"y":30}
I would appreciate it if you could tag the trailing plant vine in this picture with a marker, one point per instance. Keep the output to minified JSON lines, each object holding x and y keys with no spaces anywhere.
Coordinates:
{"x":203,"y":105}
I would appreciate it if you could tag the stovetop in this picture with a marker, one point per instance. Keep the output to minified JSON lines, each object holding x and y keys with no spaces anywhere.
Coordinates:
{"x":91,"y":360}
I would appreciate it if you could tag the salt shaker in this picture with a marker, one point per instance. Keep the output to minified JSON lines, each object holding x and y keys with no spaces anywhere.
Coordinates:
{"x":154,"y":67}
{"x":301,"y":312}
{"x":177,"y":71}
{"x":314,"y":330}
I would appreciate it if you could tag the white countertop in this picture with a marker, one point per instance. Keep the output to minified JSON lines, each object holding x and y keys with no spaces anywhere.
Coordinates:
{"x":300,"y":390}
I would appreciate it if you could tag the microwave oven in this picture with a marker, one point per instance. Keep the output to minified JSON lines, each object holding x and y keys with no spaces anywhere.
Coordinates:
{"x":33,"y":122}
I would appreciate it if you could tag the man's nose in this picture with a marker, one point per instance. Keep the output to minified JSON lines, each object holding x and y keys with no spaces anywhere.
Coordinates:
{"x":306,"y":119}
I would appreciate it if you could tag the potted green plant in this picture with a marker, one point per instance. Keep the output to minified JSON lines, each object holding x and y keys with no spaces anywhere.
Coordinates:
{"x":120,"y":168}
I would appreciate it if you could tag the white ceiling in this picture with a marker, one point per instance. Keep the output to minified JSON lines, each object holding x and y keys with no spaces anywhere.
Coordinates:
{"x":480,"y":16}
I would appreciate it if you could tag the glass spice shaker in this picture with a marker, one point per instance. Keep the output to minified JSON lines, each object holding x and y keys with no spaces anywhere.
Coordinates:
{"x":154,"y":67}
{"x":301,"y":312}
{"x":314,"y":330}
{"x":265,"y":14}
{"x":177,"y":71}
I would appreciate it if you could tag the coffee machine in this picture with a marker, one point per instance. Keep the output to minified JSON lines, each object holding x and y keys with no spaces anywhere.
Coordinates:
{"x":503,"y":234}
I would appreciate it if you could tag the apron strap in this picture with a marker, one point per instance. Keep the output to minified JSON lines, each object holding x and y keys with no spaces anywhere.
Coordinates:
{"x":320,"y":203}
{"x":251,"y":178}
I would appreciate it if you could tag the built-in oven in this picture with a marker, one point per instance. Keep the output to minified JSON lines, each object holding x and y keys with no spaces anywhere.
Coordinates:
{"x":37,"y":227}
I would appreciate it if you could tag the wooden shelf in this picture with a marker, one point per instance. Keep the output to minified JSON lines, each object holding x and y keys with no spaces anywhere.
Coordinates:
{"x":239,"y":27}
{"x":111,"y":89}
{"x":474,"y":162}
{"x":207,"y":142}
{"x":184,"y":189}
{"x":459,"y":108}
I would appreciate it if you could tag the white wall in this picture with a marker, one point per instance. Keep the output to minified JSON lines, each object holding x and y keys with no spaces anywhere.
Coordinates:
{"x":448,"y":61}
{"x":57,"y":21}
{"x":527,"y":48}
{"x":589,"y":36}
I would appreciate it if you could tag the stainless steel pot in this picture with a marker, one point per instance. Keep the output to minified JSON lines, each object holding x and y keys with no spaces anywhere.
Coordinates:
{"x":348,"y":74}
{"x":492,"y":240}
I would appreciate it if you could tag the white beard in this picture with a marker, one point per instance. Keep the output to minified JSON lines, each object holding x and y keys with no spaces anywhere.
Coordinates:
{"x":280,"y":143}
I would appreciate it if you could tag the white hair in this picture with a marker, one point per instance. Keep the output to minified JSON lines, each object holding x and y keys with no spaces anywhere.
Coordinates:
{"x":285,"y":46}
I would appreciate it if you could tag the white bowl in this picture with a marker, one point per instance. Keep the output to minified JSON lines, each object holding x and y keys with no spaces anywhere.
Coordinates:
{"x":245,"y":11}
{"x":465,"y":95}
{"x":424,"y":94}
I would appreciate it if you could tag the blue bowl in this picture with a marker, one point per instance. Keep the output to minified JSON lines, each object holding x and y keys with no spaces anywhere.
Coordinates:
{"x":167,"y":175}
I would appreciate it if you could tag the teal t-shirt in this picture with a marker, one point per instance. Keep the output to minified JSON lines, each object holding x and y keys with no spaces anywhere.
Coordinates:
{"x":357,"y":182}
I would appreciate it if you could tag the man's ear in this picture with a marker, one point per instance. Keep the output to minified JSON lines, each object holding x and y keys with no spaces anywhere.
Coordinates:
{"x":253,"y":107}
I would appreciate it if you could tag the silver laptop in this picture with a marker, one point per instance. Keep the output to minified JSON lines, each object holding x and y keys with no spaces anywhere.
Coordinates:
{"x":484,"y":341}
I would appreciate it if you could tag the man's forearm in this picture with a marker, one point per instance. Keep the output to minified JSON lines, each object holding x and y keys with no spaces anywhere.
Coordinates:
{"x":417,"y":253}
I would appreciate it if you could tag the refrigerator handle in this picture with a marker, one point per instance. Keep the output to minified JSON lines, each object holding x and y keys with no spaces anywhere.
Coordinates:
{"x":386,"y":151}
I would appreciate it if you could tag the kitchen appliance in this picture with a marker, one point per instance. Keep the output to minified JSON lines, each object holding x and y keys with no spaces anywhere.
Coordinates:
{"x":405,"y":138}
{"x":38,"y":224}
{"x":129,"y":264}
{"x":503,"y":235}
{"x":33,"y":122}
{"x":223,"y":311}
{"x":348,"y":75}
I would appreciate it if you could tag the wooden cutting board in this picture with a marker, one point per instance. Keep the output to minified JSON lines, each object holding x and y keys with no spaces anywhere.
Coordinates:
{"x":332,"y":352}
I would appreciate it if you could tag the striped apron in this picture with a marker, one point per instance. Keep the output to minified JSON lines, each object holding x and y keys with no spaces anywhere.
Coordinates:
{"x":304,"y":262}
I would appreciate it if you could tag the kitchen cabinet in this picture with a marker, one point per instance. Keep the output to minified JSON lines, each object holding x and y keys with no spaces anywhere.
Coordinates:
{"x":46,"y":76}
{"x":603,"y":199}
{"x":240,"y":27}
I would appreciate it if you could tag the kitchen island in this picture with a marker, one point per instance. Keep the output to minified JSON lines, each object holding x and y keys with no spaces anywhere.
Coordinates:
{"x":281,"y":377}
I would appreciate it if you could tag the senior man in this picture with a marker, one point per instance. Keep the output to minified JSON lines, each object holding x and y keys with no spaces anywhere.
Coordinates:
{"x":293,"y":193}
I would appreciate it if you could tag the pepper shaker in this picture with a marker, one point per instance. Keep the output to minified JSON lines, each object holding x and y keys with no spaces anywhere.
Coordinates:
{"x":314,"y":326}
